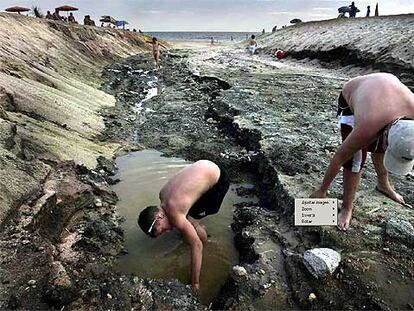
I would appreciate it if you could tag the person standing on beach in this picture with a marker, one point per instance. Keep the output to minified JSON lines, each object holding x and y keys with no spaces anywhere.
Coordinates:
{"x":156,"y":51}
{"x":353,"y":10}
{"x":252,"y":44}
{"x":193,"y":193}
{"x":368,"y":11}
{"x":376,"y":114}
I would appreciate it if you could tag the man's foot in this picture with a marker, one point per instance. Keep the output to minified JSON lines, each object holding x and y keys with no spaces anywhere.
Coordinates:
{"x":344,"y":219}
{"x":391,"y":194}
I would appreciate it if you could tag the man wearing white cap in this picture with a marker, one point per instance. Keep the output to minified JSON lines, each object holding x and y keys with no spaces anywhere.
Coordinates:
{"x":376,"y":114}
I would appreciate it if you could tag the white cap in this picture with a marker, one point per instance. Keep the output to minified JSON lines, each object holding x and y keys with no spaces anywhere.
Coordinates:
{"x":399,"y":156}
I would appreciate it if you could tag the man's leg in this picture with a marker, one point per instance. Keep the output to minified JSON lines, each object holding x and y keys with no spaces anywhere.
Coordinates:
{"x":383,"y":183}
{"x":350,"y":186}
{"x":158,"y":59}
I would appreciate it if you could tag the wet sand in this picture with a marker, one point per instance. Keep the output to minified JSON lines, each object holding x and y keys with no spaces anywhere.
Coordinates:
{"x":273,"y":123}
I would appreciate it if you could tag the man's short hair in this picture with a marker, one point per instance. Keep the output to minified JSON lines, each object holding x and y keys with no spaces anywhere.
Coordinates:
{"x":146,"y":219}
{"x":253,"y":36}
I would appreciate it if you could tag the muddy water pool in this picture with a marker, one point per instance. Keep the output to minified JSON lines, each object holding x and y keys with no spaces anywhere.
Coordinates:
{"x":142,"y":175}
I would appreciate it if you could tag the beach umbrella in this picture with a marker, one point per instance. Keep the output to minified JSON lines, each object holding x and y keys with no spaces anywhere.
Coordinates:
{"x":121,"y":24}
{"x":344,"y":9}
{"x":295,"y":21}
{"x":107,"y":19}
{"x":66,"y":8}
{"x":376,"y":10}
{"x":17,"y":9}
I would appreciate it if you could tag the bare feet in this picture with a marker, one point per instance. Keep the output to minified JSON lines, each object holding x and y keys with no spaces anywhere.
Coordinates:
{"x":390,"y":193}
{"x":319,"y":194}
{"x":344,"y":219}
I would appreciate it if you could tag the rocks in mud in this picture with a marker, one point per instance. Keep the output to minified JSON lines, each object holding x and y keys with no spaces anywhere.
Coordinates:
{"x":98,"y":203}
{"x":54,"y":215}
{"x":400,"y":230}
{"x":105,"y":192}
{"x":60,"y":290}
{"x":311,"y":297}
{"x":102,"y":234}
{"x":321,"y":262}
{"x":31,"y":283}
{"x":239,"y":271}
{"x":103,"y":173}
{"x":106,"y":165}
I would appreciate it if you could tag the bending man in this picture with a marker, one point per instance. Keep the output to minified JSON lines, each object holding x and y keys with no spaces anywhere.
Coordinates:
{"x":193,"y":193}
{"x":376,"y":114}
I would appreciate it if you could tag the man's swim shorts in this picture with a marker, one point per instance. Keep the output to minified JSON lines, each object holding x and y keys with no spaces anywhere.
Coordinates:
{"x":209,"y":203}
{"x":346,"y":123}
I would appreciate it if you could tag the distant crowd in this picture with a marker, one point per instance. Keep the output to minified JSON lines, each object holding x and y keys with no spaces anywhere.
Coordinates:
{"x":88,"y":21}
{"x":352,"y":10}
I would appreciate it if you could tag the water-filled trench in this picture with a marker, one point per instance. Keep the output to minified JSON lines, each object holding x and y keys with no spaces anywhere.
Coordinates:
{"x":142,"y":175}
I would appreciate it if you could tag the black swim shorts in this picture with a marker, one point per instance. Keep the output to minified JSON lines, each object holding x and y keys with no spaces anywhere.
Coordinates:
{"x":209,"y":203}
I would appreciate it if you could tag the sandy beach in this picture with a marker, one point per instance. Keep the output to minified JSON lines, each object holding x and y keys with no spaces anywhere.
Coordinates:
{"x":69,"y":107}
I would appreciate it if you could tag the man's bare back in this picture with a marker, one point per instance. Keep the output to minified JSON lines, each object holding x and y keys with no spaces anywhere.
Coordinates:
{"x":378,"y":99}
{"x":184,"y":189}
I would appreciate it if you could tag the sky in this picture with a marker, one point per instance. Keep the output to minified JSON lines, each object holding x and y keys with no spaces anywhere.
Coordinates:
{"x":213,"y":15}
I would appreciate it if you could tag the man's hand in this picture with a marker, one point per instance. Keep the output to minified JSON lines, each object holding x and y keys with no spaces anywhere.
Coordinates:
{"x":319,"y":194}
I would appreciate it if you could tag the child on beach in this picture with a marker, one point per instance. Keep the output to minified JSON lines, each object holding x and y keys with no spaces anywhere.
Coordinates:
{"x":156,"y":51}
{"x":252,"y":44}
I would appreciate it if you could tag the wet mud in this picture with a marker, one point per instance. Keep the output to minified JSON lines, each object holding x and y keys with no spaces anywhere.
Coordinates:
{"x":271,"y":124}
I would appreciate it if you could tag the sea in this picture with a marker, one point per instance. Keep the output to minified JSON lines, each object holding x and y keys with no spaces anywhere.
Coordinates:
{"x":202,"y":36}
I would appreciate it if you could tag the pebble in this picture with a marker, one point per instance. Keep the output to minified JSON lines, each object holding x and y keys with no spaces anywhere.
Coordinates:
{"x":321,"y":261}
{"x":239,"y":270}
{"x":400,"y":229}
{"x":312,"y":297}
{"x":98,"y":203}
{"x":31,"y":282}
{"x":267,"y":285}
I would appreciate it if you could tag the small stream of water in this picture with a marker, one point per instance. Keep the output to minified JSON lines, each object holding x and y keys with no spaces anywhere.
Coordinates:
{"x":142,"y":176}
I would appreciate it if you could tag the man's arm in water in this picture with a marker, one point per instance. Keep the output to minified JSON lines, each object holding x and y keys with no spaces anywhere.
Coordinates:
{"x":358,"y":139}
{"x":196,"y":246}
{"x":201,"y":231}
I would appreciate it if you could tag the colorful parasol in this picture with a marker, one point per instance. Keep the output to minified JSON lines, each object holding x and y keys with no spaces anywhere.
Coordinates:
{"x":66,"y":8}
{"x":17,"y":9}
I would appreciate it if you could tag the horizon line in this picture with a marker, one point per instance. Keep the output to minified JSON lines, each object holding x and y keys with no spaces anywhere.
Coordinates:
{"x":238,"y":31}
